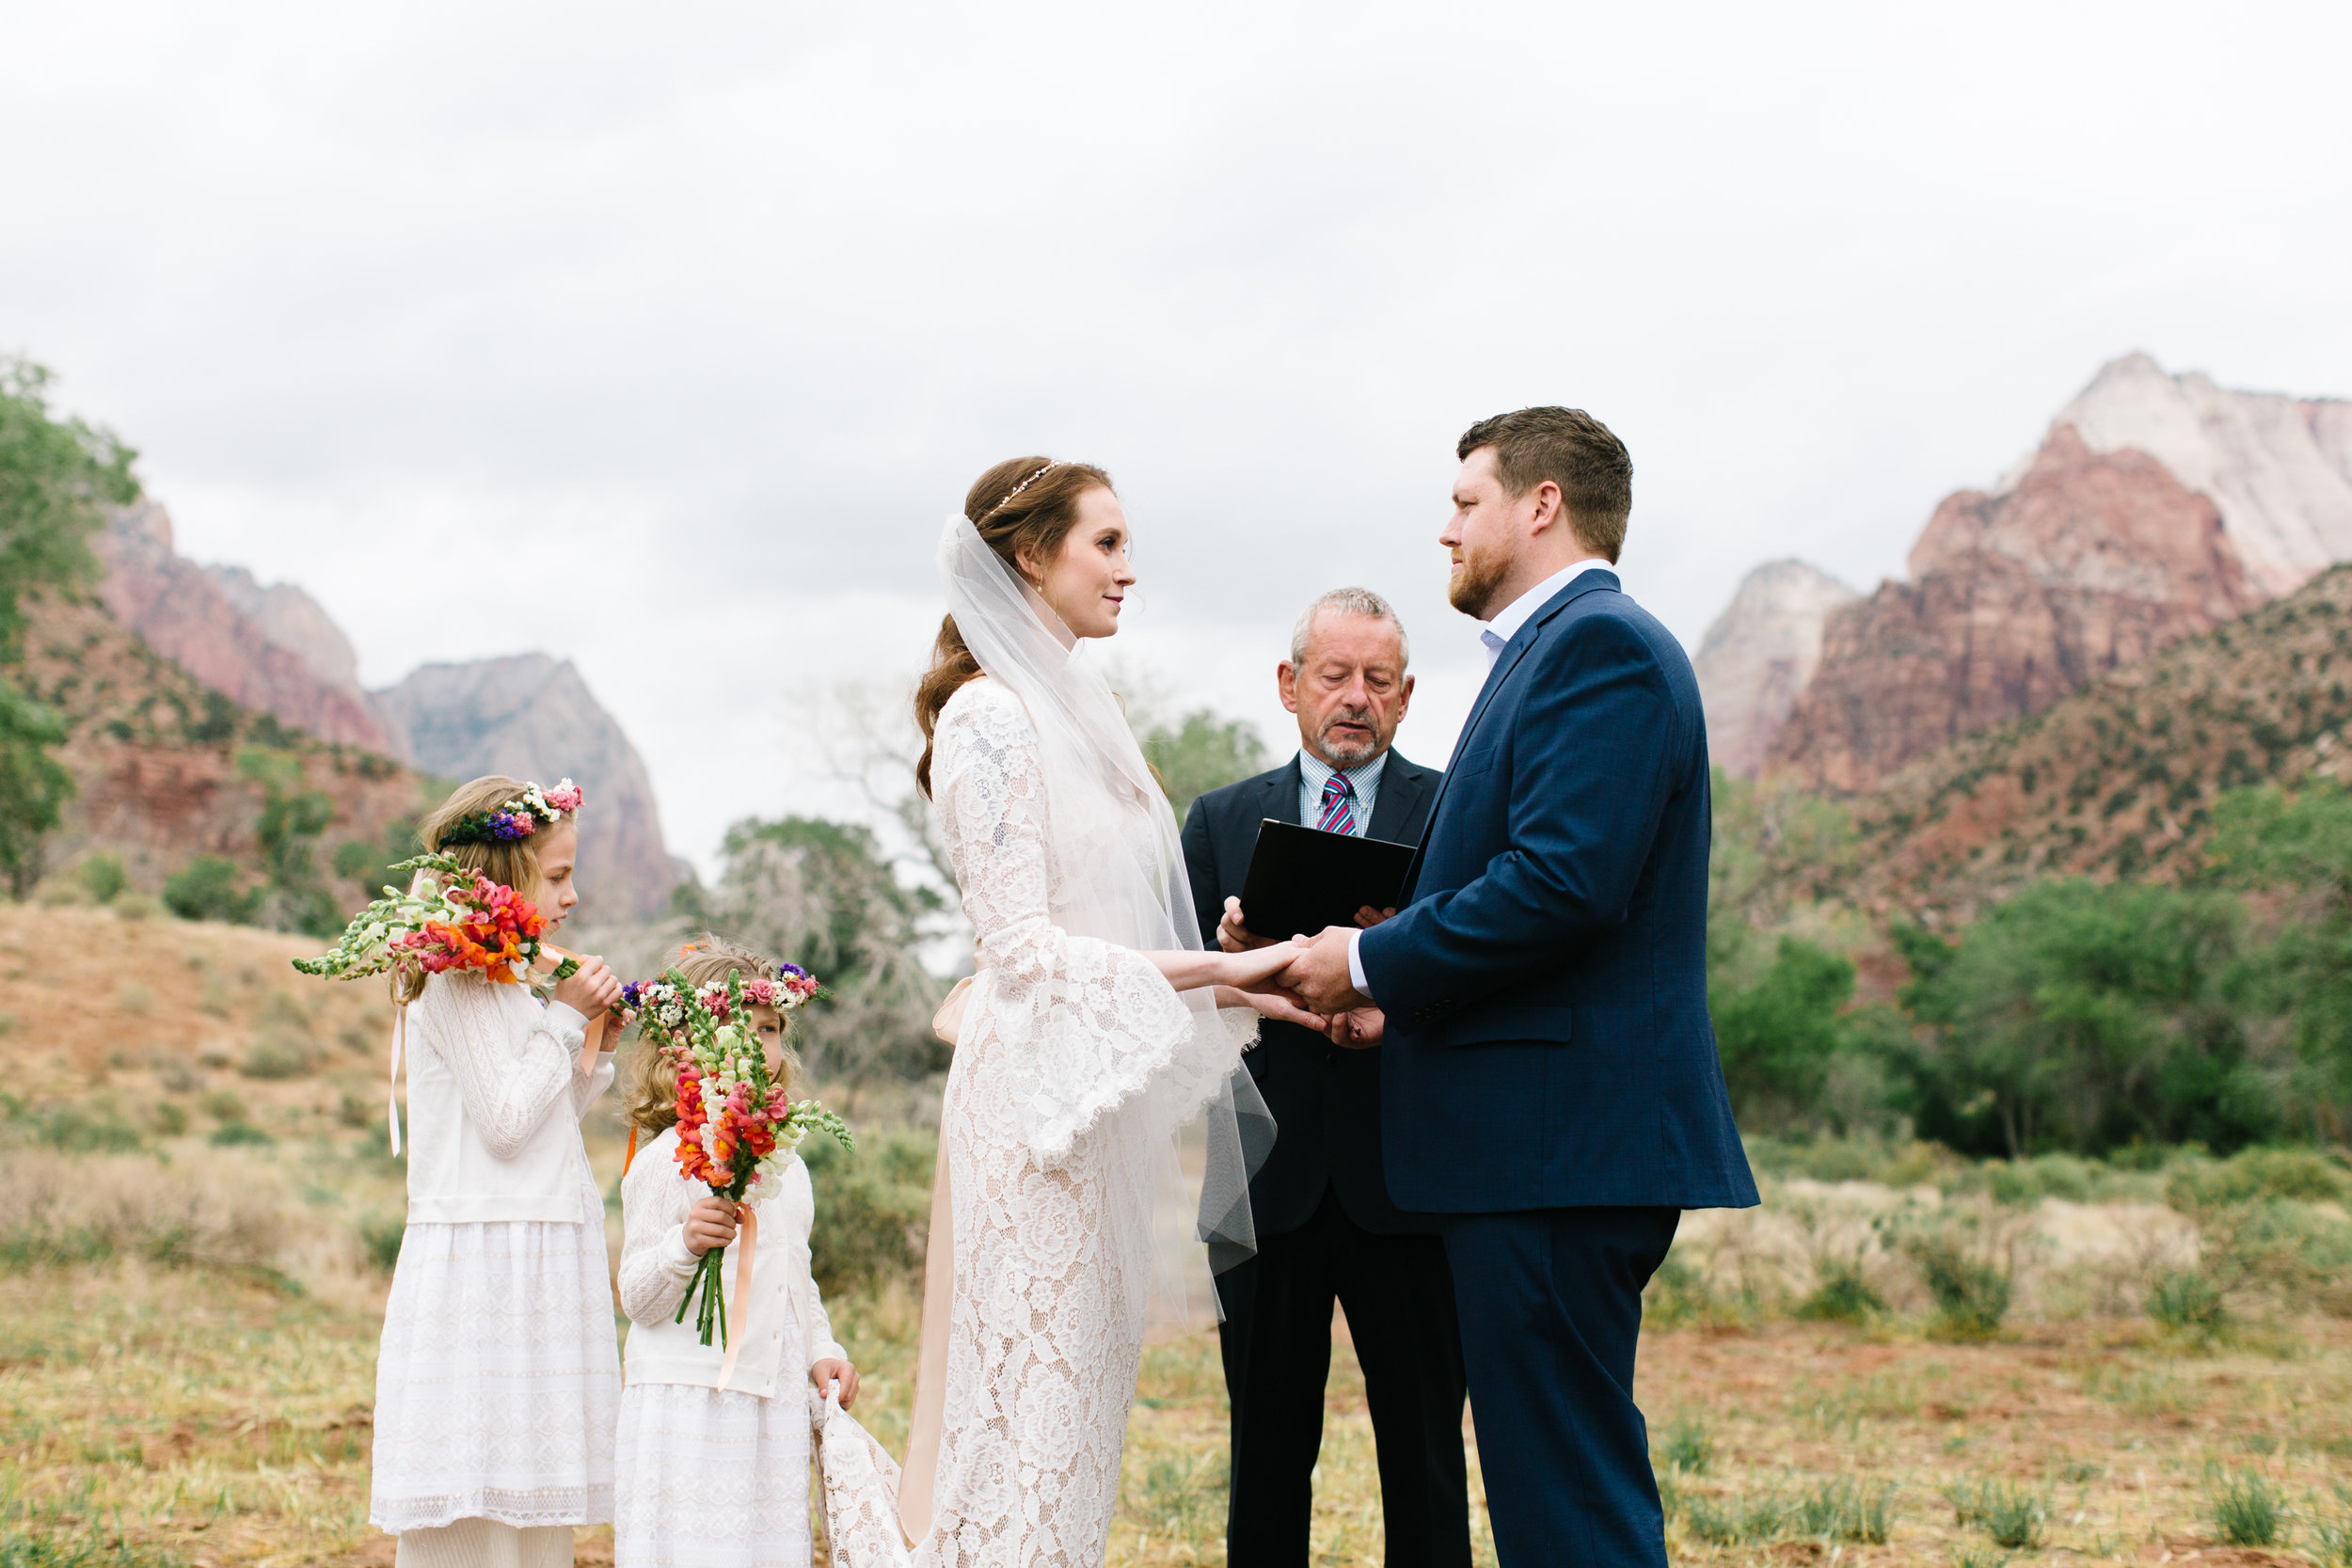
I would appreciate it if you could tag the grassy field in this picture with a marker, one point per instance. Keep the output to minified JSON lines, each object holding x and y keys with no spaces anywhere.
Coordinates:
{"x":1901,"y":1359}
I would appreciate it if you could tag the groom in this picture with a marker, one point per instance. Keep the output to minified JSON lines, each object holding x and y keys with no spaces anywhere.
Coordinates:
{"x":1550,"y":1082}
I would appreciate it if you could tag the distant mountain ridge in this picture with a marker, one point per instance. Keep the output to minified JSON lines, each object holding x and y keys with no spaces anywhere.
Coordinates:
{"x":273,"y":649}
{"x":531,"y":716}
{"x":2158,"y":507}
{"x":2117,"y":779}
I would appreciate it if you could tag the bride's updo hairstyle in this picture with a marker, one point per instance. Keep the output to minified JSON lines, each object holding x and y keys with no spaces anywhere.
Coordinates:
{"x":1026,"y":505}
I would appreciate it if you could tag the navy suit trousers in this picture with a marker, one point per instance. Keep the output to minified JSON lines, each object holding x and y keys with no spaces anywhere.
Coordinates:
{"x":1550,"y":1306}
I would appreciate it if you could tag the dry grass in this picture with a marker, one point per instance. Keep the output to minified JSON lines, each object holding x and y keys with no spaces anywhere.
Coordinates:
{"x":187,"y":1334}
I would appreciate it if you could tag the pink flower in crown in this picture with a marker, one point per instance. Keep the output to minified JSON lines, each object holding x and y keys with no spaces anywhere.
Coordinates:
{"x":565,"y":797}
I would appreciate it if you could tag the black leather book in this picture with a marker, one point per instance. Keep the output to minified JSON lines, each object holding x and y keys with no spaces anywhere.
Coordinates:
{"x":1302,"y":879}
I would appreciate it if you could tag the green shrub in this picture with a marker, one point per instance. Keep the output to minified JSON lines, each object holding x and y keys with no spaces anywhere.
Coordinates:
{"x":229,"y":1135}
{"x":2014,"y":1516}
{"x":2188,"y":1302}
{"x":135,"y":905}
{"x":210,"y":888}
{"x":2248,"y":1511}
{"x":1736,"y":1521}
{"x":1185,"y":1496}
{"x":872,"y":1211}
{"x":2260,"y":1173}
{"x":283,"y":1044}
{"x":2331,"y":1535}
{"x":381,"y":1238}
{"x":1971,"y":1295}
{"x":1690,"y":1446}
{"x":1847,"y":1510}
{"x":104,"y":876}
{"x":1842,"y":1296}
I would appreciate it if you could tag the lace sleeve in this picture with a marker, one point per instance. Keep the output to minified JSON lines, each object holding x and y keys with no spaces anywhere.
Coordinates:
{"x":509,"y":1081}
{"x":1084,"y":1024}
{"x":655,"y":1264}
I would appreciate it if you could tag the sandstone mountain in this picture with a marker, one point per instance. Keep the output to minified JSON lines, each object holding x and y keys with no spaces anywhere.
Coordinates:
{"x":2157,"y":508}
{"x":1759,"y":654}
{"x":2119,"y":778}
{"x":532,"y":716}
{"x":273,"y":649}
{"x":154,"y":753}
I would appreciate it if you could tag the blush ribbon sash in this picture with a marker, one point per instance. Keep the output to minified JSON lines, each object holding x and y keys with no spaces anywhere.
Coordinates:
{"x":739,"y":1309}
{"x":918,"y":1477}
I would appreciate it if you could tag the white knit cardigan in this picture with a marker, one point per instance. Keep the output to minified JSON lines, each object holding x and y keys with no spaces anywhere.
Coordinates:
{"x":495,"y":1097}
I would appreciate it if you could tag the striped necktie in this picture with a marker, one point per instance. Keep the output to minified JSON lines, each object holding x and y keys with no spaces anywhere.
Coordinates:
{"x":1339,"y":805}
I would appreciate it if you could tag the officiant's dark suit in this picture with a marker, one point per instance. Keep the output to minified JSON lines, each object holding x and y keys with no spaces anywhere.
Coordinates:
{"x":1328,"y":1229}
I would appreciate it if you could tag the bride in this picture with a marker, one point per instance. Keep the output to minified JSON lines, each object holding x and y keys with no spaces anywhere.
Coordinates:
{"x":1090,"y":1034}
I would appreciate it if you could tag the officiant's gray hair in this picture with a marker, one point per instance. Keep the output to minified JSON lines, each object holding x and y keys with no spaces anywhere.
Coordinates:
{"x":1349,"y":601}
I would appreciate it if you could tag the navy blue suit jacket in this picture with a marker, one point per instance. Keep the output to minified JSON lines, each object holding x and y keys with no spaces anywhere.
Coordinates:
{"x":1548,"y":1043}
{"x":1325,"y":1101}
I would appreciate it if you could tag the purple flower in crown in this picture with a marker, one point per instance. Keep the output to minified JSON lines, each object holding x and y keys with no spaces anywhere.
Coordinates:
{"x":508,"y":826}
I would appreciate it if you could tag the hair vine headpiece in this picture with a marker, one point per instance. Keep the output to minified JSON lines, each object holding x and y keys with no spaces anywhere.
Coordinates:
{"x":1050,"y":465}
{"x":518,"y":818}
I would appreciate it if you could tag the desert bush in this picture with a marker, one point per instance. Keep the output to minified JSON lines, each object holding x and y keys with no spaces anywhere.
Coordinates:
{"x":218,"y":1213}
{"x":79,"y":1129}
{"x":2188,"y":1302}
{"x":135,"y":905}
{"x":380,"y":1236}
{"x":2248,"y":1511}
{"x":210,"y":888}
{"x":1185,"y":1496}
{"x":1689,"y":1445}
{"x":873,"y":1209}
{"x":1736,"y":1520}
{"x":1971,"y":1294}
{"x":2014,"y":1516}
{"x":283,"y":1045}
{"x":2255,"y":1174}
{"x":1843,"y":1295}
{"x":2332,"y":1534}
{"x":104,"y":876}
{"x":1846,"y":1510}
{"x":237,"y":1134}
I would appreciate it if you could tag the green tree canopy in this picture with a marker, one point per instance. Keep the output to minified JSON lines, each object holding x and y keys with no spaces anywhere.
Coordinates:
{"x":1201,"y":752}
{"x":2078,"y":1016}
{"x":55,"y":475}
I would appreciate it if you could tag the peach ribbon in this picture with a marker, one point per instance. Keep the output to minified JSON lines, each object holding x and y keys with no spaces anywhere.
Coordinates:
{"x":593,"y":1041}
{"x":392,"y":1096}
{"x":919,"y":1476}
{"x":738,"y":1310}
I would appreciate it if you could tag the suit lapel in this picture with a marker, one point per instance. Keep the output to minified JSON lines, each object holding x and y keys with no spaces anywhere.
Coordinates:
{"x":1401,"y":786}
{"x":1505,"y":663}
{"x":1281,"y":800}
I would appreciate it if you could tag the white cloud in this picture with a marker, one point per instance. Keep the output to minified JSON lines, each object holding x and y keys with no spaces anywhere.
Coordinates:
{"x":663,"y":340}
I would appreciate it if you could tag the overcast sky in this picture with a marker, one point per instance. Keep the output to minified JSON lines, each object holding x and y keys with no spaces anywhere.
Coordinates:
{"x":663,"y":338}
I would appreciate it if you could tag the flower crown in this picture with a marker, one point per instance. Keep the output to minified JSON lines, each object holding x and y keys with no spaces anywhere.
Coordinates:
{"x":518,"y":818}
{"x":661,"y":1006}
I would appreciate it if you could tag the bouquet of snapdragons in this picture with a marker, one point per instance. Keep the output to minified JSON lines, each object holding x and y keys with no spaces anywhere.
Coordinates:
{"x":451,"y":919}
{"x":736,"y":1127}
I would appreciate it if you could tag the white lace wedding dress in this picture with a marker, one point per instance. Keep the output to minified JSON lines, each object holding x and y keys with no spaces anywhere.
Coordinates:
{"x":1046,"y":1322}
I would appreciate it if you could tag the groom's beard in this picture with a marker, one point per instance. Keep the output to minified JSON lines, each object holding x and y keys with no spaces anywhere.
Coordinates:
{"x":1472,"y":589}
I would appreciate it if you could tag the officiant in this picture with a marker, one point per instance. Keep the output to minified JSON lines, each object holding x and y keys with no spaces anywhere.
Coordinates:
{"x":1326,"y":1229}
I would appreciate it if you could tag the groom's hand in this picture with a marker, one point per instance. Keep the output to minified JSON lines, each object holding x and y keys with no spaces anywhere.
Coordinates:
{"x":1319,"y":974}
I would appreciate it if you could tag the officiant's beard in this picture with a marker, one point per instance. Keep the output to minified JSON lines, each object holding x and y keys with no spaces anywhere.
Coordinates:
{"x":1472,"y":589}
{"x":1350,"y":753}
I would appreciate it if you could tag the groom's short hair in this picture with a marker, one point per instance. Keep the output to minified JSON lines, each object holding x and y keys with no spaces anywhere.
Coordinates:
{"x":1574,"y":451}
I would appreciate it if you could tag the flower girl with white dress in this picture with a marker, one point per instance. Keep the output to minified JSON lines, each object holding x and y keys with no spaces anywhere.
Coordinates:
{"x":712,"y":1475}
{"x":499,"y":1379}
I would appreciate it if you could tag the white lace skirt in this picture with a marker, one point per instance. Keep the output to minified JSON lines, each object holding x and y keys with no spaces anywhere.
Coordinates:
{"x":500,"y":1378}
{"x":709,"y":1477}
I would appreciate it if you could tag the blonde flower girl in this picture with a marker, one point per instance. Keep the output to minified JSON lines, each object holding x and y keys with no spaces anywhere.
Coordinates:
{"x":498,"y":1381}
{"x":717,"y":1476}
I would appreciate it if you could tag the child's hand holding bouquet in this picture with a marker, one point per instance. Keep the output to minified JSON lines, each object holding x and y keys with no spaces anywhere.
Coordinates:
{"x":736,"y":1125}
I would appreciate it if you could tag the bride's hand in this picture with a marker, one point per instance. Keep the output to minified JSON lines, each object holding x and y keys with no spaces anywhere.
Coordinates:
{"x":1252,"y":975}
